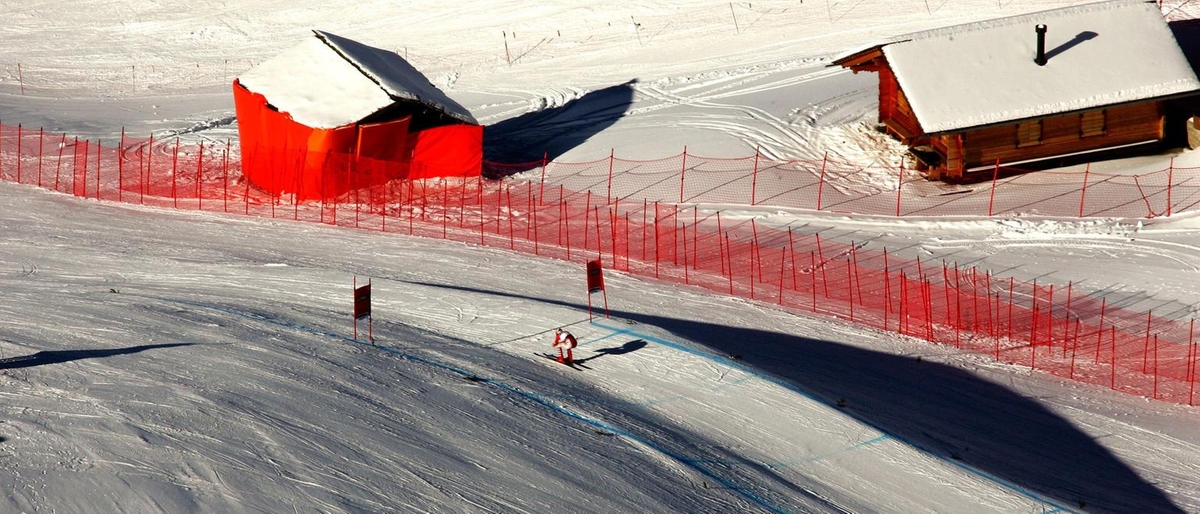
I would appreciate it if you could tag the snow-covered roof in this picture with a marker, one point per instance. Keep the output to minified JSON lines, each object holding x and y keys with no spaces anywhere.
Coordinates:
{"x":984,"y":73}
{"x":330,"y":81}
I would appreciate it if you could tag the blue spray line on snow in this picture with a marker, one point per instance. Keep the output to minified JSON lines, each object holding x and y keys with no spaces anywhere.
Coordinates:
{"x":539,"y":399}
{"x":791,"y":387}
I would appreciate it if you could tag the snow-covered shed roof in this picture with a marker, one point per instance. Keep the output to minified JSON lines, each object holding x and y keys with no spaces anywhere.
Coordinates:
{"x":330,"y":81}
{"x":984,"y":73}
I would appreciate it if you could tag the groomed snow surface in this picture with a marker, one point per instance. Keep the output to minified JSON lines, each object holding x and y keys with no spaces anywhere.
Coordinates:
{"x":163,"y":361}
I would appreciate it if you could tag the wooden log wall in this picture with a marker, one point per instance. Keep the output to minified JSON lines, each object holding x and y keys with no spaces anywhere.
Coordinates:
{"x":1065,"y":134}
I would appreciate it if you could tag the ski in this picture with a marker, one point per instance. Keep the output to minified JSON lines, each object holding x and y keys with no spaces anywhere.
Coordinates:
{"x":573,"y":365}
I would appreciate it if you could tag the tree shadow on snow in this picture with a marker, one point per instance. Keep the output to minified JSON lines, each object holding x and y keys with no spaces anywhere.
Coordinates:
{"x":553,"y":131}
{"x":938,"y":408}
{"x":59,"y":356}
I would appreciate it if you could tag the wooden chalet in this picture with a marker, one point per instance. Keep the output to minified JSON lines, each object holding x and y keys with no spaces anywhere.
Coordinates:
{"x":1056,"y":83}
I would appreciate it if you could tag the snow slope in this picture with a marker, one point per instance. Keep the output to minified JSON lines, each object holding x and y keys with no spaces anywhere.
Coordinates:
{"x":159,"y":361}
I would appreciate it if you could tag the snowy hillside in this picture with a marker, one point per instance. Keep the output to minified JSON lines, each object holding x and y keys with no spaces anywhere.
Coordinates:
{"x":164,"y":361}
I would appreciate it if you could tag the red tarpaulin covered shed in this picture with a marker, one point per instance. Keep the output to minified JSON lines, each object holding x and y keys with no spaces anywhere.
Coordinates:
{"x":332,"y":114}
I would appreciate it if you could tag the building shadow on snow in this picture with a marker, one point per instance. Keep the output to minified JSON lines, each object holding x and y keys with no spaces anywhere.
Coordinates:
{"x":940,"y":409}
{"x":553,"y":131}
{"x":1187,"y":34}
{"x":59,"y":356}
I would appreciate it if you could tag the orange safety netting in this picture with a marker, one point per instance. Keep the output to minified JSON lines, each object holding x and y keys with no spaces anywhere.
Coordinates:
{"x":1058,"y":328}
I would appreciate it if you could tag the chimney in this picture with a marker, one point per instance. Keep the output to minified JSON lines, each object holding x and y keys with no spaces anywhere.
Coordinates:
{"x":1041,"y":45}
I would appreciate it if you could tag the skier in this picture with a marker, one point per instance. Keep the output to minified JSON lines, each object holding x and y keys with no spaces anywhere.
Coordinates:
{"x":564,"y":339}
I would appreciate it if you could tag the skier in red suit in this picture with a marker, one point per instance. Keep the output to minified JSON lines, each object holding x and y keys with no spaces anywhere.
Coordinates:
{"x":564,"y":340}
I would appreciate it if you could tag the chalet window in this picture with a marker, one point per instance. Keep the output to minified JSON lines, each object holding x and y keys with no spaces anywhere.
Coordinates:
{"x":1092,"y":123}
{"x":1029,"y":133}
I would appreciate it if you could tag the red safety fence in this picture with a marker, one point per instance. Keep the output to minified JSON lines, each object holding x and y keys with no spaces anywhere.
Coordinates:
{"x":844,"y":187}
{"x":1068,"y":332}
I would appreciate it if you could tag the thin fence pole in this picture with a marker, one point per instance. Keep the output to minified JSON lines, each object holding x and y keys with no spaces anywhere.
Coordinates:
{"x":200,"y":178}
{"x":821,"y":179}
{"x":792,"y":247}
{"x":1033,"y":326}
{"x":587,"y":210}
{"x":857,"y":282}
{"x":992,"y":199}
{"x":1074,"y":348}
{"x":1083,"y":192}
{"x":899,"y":188}
{"x":512,"y":243}
{"x":645,"y":224}
{"x":1154,"y":392}
{"x":1195,"y":354}
{"x":902,"y":320}
{"x":993,"y":310}
{"x":533,"y":220}
{"x":729,"y":255}
{"x":1170,"y":180}
{"x":996,"y":338}
{"x":62,"y":144}
{"x":753,"y":252}
{"x":754,"y":177}
{"x":462,"y":200}
{"x":695,"y":236}
{"x":86,"y":147}
{"x":79,"y":177}
{"x":958,"y":321}
{"x":675,"y":236}
{"x":974,"y":297}
{"x":850,"y":290}
{"x":1067,"y":317}
{"x":541,"y":184}
{"x":682,"y":172}
{"x":1100,"y":327}
{"x":887,"y":289}
{"x":600,"y":242}
{"x":611,"y":158}
{"x":812,"y":272}
{"x":946,"y":291}
{"x":1146,"y":346}
{"x":686,"y":275}
{"x":99,"y":147}
{"x":1112,"y":376}
{"x":657,"y":246}
{"x":1011,"y":284}
{"x":720,"y":232}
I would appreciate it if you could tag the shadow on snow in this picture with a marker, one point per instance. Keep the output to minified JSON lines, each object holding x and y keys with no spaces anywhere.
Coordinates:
{"x":553,"y":131}
{"x":59,"y":356}
{"x":631,"y":346}
{"x":938,"y":408}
